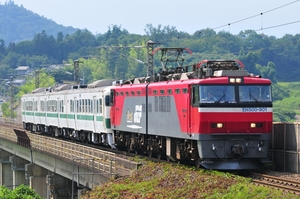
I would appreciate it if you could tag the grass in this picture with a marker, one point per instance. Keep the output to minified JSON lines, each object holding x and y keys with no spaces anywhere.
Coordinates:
{"x":163,"y":181}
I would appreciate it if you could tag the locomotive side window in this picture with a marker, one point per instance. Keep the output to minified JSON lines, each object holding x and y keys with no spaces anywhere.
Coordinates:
{"x":195,"y":95}
{"x":162,"y":92}
{"x":132,"y":93}
{"x":170,"y":91}
{"x":177,"y":91}
{"x":184,"y":90}
{"x":138,"y":92}
{"x":155,"y":92}
{"x":110,"y":99}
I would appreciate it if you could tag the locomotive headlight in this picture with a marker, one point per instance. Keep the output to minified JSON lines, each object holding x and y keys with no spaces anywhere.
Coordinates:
{"x":219,"y":125}
{"x":238,"y":80}
{"x":256,"y":125}
{"x":235,"y":80}
{"x":216,"y":125}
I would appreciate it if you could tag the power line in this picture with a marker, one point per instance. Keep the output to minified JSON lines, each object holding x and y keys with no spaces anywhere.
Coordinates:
{"x":276,"y":26}
{"x":260,"y":14}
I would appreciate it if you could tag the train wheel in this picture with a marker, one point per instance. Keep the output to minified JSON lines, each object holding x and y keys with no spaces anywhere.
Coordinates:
{"x":150,"y":153}
{"x":197,"y":162}
{"x":168,"y":158}
{"x":159,"y":156}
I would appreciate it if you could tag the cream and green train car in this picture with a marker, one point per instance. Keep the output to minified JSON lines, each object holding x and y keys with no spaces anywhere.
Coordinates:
{"x":77,"y":112}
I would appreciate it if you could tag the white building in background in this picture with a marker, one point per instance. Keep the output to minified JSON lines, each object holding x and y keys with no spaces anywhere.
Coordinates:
{"x":22,"y":70}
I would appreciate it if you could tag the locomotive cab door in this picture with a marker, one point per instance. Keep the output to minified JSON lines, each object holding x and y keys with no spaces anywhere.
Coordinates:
{"x":193,"y":107}
{"x":58,"y":107}
{"x":95,"y":111}
{"x":75,"y":112}
{"x":112,"y":105}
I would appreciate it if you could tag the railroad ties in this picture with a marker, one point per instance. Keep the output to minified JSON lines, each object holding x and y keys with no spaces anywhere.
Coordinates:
{"x":276,"y":182}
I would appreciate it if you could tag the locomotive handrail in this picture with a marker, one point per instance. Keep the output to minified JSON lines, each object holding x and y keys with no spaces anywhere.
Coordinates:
{"x":90,"y":157}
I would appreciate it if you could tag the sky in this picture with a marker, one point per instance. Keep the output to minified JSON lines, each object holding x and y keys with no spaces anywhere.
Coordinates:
{"x":185,"y":15}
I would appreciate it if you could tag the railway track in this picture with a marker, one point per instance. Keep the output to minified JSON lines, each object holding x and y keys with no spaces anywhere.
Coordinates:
{"x":103,"y":159}
{"x":276,"y":182}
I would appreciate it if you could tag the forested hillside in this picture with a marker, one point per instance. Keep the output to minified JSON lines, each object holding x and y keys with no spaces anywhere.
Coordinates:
{"x":274,"y":58}
{"x":19,"y":24}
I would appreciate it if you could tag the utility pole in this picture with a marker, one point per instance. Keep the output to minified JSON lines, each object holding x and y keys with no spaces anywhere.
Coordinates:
{"x":37,"y":79}
{"x":11,"y":84}
{"x":76,"y":71}
{"x":149,"y":63}
{"x":150,"y":47}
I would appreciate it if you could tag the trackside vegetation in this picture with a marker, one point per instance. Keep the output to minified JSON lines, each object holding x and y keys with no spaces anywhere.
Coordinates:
{"x":21,"y":192}
{"x":162,"y":181}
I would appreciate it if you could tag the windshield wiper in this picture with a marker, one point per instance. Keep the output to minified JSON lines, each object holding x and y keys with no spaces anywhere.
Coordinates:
{"x":223,"y":96}
{"x":251,"y":96}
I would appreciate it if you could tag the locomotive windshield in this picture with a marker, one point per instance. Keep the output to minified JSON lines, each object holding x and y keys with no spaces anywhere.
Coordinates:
{"x":217,"y":93}
{"x":235,"y":93}
{"x":255,"y":93}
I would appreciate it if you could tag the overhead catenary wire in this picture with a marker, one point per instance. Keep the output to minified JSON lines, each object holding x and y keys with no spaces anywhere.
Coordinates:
{"x":260,"y":14}
{"x":276,"y":26}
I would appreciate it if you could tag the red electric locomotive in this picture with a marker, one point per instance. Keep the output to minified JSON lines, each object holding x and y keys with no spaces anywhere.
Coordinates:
{"x":217,"y":115}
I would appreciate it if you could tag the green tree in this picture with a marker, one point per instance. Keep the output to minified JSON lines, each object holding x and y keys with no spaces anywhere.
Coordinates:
{"x":44,"y":79}
{"x":268,"y":71}
{"x":21,"y":192}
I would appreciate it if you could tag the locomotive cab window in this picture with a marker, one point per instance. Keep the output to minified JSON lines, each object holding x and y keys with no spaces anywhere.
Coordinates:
{"x":217,"y":94}
{"x":255,"y":93}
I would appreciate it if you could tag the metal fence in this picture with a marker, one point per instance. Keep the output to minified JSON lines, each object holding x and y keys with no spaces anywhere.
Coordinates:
{"x":284,"y":148}
{"x":95,"y":159}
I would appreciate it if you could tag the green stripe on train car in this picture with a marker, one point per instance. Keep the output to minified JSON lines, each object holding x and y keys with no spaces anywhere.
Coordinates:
{"x":40,"y":114}
{"x":107,"y":123}
{"x":67,"y":116}
{"x":52,"y":115}
{"x":71,"y":116}
{"x":29,"y":113}
{"x":99,"y":118}
{"x":85,"y":117}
